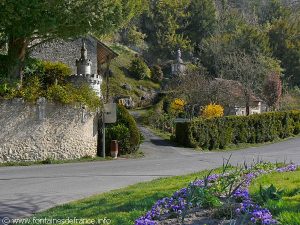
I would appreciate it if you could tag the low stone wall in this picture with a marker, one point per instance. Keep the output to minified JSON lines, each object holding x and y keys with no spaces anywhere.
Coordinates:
{"x":31,"y":132}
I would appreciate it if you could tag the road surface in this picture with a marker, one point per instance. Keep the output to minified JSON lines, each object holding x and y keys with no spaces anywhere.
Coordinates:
{"x":27,"y":190}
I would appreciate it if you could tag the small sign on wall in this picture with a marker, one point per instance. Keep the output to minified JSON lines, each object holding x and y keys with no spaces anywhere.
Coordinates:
{"x":110,"y":113}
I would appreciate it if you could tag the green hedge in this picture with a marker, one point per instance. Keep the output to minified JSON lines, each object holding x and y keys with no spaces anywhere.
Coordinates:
{"x":218,"y":133}
{"x":125,"y":131}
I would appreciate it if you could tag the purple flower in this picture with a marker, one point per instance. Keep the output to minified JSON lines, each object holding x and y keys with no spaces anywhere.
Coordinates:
{"x":289,"y":168}
{"x":178,"y":202}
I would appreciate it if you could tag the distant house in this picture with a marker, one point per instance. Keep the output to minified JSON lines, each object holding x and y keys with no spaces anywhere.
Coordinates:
{"x":232,"y":94}
{"x":68,"y":51}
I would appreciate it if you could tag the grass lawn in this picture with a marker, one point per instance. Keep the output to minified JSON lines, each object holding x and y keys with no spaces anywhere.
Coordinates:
{"x":122,"y":206}
{"x":286,"y":210}
{"x":53,"y":161}
{"x":162,"y":134}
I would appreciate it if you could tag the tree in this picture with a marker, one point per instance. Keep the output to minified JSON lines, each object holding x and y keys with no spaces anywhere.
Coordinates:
{"x":250,"y":71}
{"x":272,"y":90}
{"x":25,"y":22}
{"x":201,"y":20}
{"x":192,"y":86}
{"x":272,"y":10}
{"x":157,"y":74}
{"x":139,"y":69}
{"x":285,"y":42}
{"x":163,"y":24}
{"x":251,"y":39}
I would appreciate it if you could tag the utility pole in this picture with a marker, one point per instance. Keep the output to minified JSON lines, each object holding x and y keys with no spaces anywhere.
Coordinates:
{"x":107,"y":74}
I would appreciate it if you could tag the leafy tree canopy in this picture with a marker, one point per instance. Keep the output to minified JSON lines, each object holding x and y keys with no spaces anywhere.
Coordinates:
{"x":23,"y":22}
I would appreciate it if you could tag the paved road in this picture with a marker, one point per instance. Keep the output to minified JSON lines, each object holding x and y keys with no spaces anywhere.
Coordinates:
{"x":26,"y":190}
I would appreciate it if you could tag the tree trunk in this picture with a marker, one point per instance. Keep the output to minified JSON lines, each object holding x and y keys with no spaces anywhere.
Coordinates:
{"x":16,"y":54}
{"x":247,"y":98}
{"x":247,"y":108}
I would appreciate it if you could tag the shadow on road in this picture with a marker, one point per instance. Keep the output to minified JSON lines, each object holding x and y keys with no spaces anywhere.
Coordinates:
{"x":22,"y":205}
{"x":161,"y":142}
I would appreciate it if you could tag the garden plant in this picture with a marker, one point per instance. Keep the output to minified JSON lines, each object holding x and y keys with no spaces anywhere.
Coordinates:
{"x":220,"y":192}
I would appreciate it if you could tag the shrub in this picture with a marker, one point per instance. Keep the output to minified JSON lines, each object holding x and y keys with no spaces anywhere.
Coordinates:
{"x":58,"y":93}
{"x":49,"y":72}
{"x":213,"y":110}
{"x":69,"y":94}
{"x":124,"y":119}
{"x":220,"y":132}
{"x":177,"y":105}
{"x":55,"y":71}
{"x":7,"y":90}
{"x":121,"y":133}
{"x":139,"y":69}
{"x":32,"y":89}
{"x":157,"y":74}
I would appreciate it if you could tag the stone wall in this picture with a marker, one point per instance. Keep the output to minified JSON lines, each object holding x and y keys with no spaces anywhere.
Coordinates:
{"x":30,"y":132}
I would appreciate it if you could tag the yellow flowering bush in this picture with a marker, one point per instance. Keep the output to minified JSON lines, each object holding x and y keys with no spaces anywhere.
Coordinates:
{"x":177,"y":105}
{"x":212,"y":111}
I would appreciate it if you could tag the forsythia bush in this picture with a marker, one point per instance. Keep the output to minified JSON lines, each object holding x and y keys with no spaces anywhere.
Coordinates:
{"x":218,"y":133}
{"x":177,"y":105}
{"x":212,"y":111}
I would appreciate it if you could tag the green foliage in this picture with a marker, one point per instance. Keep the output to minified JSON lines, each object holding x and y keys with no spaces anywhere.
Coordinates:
{"x":158,"y":117}
{"x":7,"y":90}
{"x":218,"y":133}
{"x":69,"y":94}
{"x":269,"y":193}
{"x":291,"y":100}
{"x":58,"y":93}
{"x":49,"y":72}
{"x":202,"y":197}
{"x":139,"y":69}
{"x":120,"y":133}
{"x":272,"y":10}
{"x":286,"y":211}
{"x":251,"y":39}
{"x":33,"y":20}
{"x":32,"y":89}
{"x":157,"y":74}
{"x":285,"y":41}
{"x":201,"y":20}
{"x":133,"y":37}
{"x":55,"y":71}
{"x":125,"y":131}
{"x":40,"y":81}
{"x":121,"y":76}
{"x":163,"y":25}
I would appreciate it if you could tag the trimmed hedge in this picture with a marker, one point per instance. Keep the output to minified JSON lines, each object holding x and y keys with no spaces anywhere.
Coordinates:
{"x":218,"y":133}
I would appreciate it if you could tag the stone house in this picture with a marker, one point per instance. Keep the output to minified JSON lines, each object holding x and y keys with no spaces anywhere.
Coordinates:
{"x":68,"y":51}
{"x":94,"y":61}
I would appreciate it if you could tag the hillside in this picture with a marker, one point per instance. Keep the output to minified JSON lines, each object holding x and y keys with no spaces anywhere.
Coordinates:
{"x":136,"y":89}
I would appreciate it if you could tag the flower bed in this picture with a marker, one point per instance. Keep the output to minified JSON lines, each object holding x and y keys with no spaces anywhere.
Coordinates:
{"x":230,"y":188}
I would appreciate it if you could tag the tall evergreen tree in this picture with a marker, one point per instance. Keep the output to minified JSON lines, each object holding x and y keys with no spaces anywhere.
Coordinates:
{"x":201,"y":21}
